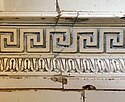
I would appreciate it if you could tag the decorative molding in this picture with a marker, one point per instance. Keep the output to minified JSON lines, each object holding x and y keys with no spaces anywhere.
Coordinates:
{"x":62,"y":65}
{"x":63,"y":40}
{"x":114,"y":40}
{"x":11,"y":40}
{"x":89,"y":40}
{"x":36,"y":40}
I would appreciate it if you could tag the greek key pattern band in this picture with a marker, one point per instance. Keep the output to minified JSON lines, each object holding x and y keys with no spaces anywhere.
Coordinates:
{"x":62,"y":40}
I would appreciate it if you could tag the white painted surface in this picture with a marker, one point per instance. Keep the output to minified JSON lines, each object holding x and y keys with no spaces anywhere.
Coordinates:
{"x":104,"y":96}
{"x":87,"y":8}
{"x":99,"y":83}
{"x":29,"y":5}
{"x":31,"y":82}
{"x":67,"y":5}
{"x":40,"y":96}
{"x":1,"y":5}
{"x":92,"y":5}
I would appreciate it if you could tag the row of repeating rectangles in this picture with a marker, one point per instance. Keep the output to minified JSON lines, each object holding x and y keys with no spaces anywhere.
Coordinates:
{"x":81,"y":40}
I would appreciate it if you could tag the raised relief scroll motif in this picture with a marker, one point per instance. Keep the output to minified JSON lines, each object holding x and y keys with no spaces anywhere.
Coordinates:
{"x":11,"y":40}
{"x":114,"y":40}
{"x":63,"y":40}
{"x":63,"y":65}
{"x":90,"y":41}
{"x":36,"y":40}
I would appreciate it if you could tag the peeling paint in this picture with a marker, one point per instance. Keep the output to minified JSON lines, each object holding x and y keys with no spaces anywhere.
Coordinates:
{"x":89,"y":87}
{"x":15,"y":77}
{"x":82,"y":19}
{"x":59,"y":79}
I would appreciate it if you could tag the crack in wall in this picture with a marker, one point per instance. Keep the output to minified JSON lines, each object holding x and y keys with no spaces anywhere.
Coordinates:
{"x":58,"y":11}
{"x":75,"y":19}
{"x":58,"y":7}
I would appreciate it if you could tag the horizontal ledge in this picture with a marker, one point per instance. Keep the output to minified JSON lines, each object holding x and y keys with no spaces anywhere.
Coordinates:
{"x":28,"y":14}
{"x":72,"y":76}
{"x":64,"y":14}
{"x":55,"y":89}
{"x":71,"y":18}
